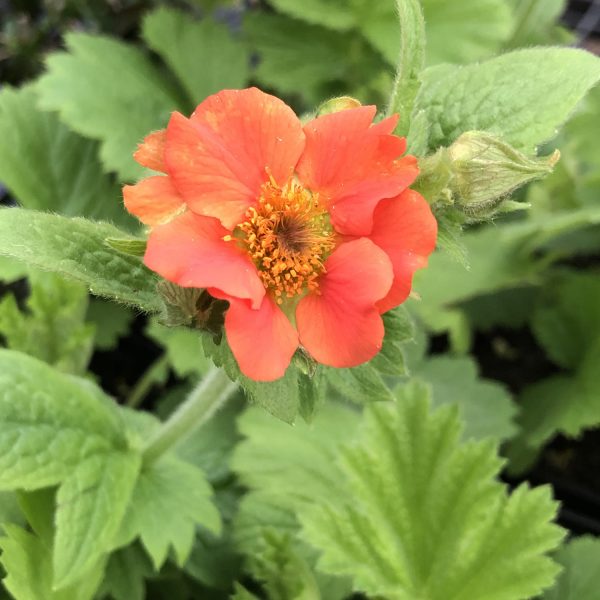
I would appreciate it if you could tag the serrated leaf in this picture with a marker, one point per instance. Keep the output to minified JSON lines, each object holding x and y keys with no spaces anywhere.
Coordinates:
{"x":47,"y":167}
{"x":485,"y":406}
{"x":197,"y":51}
{"x":52,"y":327}
{"x":425,"y":517}
{"x":522,"y":96}
{"x":75,"y":248}
{"x":50,"y":423}
{"x":170,"y":498}
{"x":28,"y":562}
{"x":135,"y":97}
{"x":90,"y":504}
{"x":580,"y":578}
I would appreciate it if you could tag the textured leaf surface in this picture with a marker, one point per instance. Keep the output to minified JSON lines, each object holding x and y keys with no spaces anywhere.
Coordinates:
{"x":522,"y":96}
{"x":425,"y":516}
{"x":202,"y":54}
{"x":171,"y":497}
{"x":135,"y":98}
{"x":50,"y":423}
{"x":48,"y":167}
{"x":90,"y":505}
{"x":580,"y":579}
{"x":52,"y":327}
{"x":75,"y":248}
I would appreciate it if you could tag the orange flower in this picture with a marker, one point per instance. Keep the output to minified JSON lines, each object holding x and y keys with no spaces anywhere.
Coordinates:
{"x":309,"y":232}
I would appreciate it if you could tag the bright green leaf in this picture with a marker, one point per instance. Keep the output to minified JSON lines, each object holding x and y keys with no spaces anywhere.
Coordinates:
{"x":50,"y":422}
{"x":171,"y":497}
{"x":202,"y":54}
{"x":425,"y":517}
{"x":108,"y":90}
{"x":75,"y":248}
{"x":580,"y":579}
{"x":48,"y":167}
{"x":90,"y":505}
{"x":521,"y":96}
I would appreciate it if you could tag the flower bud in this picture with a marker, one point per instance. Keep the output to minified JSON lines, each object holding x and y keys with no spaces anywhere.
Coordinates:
{"x":336,"y":105}
{"x":478,"y":172}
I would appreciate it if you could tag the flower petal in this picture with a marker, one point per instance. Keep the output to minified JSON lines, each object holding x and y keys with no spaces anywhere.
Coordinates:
{"x":262,"y":340}
{"x":225,"y":152}
{"x":153,"y":200}
{"x":190,"y":251}
{"x":354,"y":165}
{"x":406,"y":230}
{"x":151,"y":151}
{"x":341,"y":326}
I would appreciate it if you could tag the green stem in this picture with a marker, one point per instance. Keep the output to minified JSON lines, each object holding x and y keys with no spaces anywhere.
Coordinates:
{"x":146,"y":381}
{"x":203,"y":401}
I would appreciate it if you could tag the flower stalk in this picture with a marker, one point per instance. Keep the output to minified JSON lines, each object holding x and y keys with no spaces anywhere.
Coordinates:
{"x":203,"y":401}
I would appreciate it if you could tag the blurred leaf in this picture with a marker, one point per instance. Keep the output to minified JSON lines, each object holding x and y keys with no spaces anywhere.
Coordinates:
{"x":522,"y":96}
{"x":47,"y":167}
{"x":170,"y":498}
{"x":536,"y":23}
{"x":424,"y":516}
{"x":75,"y":248}
{"x":580,"y":579}
{"x":112,"y":321}
{"x":202,"y":54}
{"x":485,"y":406}
{"x":134,"y":100}
{"x":333,"y":14}
{"x":126,"y":571}
{"x":52,"y":328}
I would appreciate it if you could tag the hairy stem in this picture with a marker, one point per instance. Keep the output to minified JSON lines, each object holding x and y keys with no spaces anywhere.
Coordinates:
{"x":203,"y":401}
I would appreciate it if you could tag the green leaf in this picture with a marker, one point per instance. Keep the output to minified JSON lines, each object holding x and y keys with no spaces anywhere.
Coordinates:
{"x":28,"y":562}
{"x":485,"y":406}
{"x":108,"y":90}
{"x":51,"y":422}
{"x":112,"y":321}
{"x":241,"y":593}
{"x":197,"y":52}
{"x":580,"y":578}
{"x":90,"y":505}
{"x":521,"y":96}
{"x":170,"y":498}
{"x":48,"y":167}
{"x":130,"y":246}
{"x":52,"y":328}
{"x":425,"y":517}
{"x":536,"y":23}
{"x":333,"y":14}
{"x":75,"y":248}
{"x":183,"y":347}
{"x":126,"y":571}
{"x":566,"y":318}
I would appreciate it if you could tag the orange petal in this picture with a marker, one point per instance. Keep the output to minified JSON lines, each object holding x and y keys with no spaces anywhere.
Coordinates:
{"x":341,"y":326}
{"x":190,"y":251}
{"x":406,"y":230}
{"x":225,"y":152}
{"x":263,"y":341}
{"x":354,"y":165}
{"x":151,"y":151}
{"x":153,"y":200}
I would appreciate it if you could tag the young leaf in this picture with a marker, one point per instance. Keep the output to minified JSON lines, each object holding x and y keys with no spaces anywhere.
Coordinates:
{"x":48,"y":167}
{"x":75,"y":248}
{"x":197,"y":52}
{"x":135,"y":97}
{"x":52,"y":328}
{"x":522,"y":96}
{"x":90,"y":505}
{"x":50,"y":423}
{"x":171,"y":497}
{"x":580,"y":578}
{"x":28,"y":563}
{"x":425,"y":517}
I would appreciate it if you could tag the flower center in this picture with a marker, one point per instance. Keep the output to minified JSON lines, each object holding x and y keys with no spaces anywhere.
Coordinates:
{"x":288,"y":236}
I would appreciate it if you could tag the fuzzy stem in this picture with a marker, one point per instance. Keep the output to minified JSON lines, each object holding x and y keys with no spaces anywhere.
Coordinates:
{"x":203,"y":401}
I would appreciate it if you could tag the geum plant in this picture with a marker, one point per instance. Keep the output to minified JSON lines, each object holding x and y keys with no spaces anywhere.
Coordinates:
{"x":286,"y":246}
